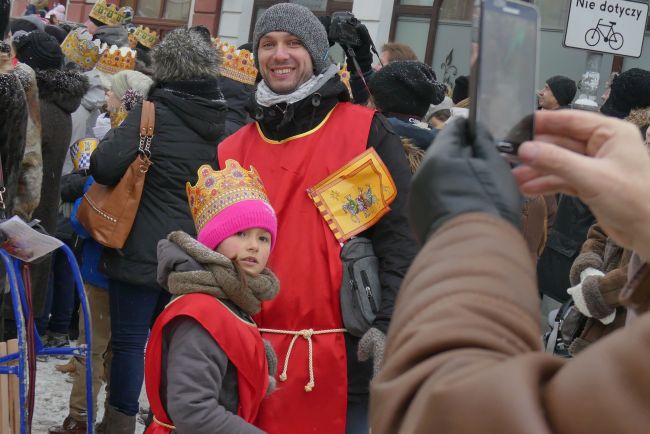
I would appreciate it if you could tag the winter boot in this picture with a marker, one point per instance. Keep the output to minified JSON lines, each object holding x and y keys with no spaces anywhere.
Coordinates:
{"x":117,"y":422}
{"x":69,"y":426}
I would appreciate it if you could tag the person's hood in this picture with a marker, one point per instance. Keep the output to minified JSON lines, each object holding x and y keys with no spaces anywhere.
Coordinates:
{"x":62,"y":88}
{"x":95,"y":98}
{"x":205,"y":116}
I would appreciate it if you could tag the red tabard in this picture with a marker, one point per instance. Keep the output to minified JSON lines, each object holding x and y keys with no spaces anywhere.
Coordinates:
{"x":240,"y":340}
{"x":306,"y":260}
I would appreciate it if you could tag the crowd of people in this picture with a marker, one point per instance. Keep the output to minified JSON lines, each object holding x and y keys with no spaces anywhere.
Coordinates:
{"x":230,"y":298}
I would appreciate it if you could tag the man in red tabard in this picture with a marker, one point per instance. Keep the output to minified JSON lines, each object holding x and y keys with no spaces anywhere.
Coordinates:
{"x":305,"y":130}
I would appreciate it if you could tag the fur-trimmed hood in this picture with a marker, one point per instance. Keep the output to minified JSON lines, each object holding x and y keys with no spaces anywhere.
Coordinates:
{"x":62,"y":88}
{"x":185,"y":55}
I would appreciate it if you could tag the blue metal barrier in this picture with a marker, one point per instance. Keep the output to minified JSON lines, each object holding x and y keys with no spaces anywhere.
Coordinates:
{"x":21,"y":313}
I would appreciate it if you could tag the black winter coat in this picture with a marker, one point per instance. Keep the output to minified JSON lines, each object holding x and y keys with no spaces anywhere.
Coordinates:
{"x":188,"y":129}
{"x":238,"y":97}
{"x":569,"y":232}
{"x":391,"y":237}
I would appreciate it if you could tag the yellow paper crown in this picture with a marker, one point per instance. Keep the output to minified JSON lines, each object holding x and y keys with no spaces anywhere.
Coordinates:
{"x":238,"y":65}
{"x":79,"y":48}
{"x":146,"y":36}
{"x":116,"y":59}
{"x":107,"y":14}
{"x":216,"y":190}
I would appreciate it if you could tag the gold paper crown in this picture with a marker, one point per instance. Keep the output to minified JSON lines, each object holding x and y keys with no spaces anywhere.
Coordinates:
{"x":146,"y":36}
{"x":79,"y":47}
{"x":107,"y":14}
{"x":116,"y":59}
{"x":238,"y":65}
{"x":216,"y":190}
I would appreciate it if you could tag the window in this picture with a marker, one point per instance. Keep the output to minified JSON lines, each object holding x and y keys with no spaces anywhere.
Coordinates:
{"x":160,"y":15}
{"x":178,"y":10}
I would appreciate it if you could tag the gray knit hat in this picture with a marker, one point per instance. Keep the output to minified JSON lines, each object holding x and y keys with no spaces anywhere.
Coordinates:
{"x":299,"y":21}
{"x":184,"y":55}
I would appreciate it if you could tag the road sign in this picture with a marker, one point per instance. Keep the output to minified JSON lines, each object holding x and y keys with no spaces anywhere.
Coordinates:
{"x":607,"y":26}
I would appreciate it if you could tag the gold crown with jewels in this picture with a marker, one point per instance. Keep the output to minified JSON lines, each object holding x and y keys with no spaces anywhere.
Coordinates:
{"x":80,"y":48}
{"x":116,"y":59}
{"x":107,"y":14}
{"x":145,"y":36}
{"x":216,"y":190}
{"x":238,"y":65}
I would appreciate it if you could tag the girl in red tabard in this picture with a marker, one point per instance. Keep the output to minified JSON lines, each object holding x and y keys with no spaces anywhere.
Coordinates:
{"x":207,"y":368}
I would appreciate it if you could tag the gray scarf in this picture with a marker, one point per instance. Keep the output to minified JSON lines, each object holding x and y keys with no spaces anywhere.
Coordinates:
{"x":217,"y":276}
{"x":267,"y":98}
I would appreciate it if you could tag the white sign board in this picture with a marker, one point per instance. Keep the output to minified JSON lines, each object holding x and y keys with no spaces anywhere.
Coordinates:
{"x":608,"y":26}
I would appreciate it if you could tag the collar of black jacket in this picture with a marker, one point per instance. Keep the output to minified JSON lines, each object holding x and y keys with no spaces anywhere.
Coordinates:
{"x":282,"y":121}
{"x":205,"y":116}
{"x":207,"y":88}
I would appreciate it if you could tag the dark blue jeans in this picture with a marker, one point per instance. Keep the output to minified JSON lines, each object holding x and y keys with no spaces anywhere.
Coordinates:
{"x":357,"y":418}
{"x":133,"y":310}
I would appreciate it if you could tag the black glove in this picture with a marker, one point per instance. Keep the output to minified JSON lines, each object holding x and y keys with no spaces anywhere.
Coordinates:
{"x":461,"y":174}
{"x":361,"y":52}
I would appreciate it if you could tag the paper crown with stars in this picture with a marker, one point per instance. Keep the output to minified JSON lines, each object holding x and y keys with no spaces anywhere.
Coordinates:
{"x":238,"y":65}
{"x":228,"y":201}
{"x":80,"y":48}
{"x":107,"y":14}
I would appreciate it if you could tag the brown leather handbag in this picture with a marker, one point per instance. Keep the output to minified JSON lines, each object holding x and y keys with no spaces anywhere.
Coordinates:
{"x":107,"y":213}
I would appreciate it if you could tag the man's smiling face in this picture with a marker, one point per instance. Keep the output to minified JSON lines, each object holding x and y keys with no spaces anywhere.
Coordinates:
{"x":284,"y":62}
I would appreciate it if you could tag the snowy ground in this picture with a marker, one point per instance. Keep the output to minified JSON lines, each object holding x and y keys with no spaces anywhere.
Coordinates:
{"x":52,"y":394}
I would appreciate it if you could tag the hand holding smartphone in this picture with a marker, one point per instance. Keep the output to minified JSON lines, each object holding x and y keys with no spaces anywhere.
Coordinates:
{"x":504,"y":70}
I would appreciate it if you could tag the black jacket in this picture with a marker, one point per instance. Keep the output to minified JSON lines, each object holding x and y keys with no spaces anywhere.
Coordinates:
{"x":569,"y":232}
{"x":391,"y":237}
{"x":238,"y":96}
{"x":188,"y":129}
{"x":406,"y":128}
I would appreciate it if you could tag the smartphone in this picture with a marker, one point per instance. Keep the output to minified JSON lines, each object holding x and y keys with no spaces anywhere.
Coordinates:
{"x":503,"y":77}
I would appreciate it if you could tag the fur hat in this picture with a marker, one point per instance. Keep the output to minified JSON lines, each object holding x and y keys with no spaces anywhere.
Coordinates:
{"x":564,"y":89}
{"x":39,"y":50}
{"x":407,"y":87}
{"x":184,"y":55}
{"x":299,"y":21}
{"x":228,"y":201}
{"x":629,"y":90}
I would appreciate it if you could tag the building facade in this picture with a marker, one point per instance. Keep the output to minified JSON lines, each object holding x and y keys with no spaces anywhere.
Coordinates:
{"x":439,"y":31}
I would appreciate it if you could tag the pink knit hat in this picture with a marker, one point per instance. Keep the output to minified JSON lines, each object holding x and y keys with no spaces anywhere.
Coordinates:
{"x":229,"y":201}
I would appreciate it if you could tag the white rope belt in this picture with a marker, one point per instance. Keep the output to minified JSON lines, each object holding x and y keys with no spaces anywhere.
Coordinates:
{"x":307,"y":334}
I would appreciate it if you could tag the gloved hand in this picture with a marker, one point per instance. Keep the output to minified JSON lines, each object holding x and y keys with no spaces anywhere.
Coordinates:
{"x":589,"y":281}
{"x":362,"y":52}
{"x":461,"y":174}
{"x":372,"y":345}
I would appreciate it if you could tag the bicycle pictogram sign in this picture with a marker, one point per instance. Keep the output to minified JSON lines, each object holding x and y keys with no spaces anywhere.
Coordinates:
{"x":613,"y":38}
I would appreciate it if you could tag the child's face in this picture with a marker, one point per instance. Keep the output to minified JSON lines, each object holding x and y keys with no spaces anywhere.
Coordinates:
{"x":250,"y":248}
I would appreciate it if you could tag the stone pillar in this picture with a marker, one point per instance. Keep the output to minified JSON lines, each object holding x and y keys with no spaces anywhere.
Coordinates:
{"x":377,"y":16}
{"x":236,"y":16}
{"x":207,"y":13}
